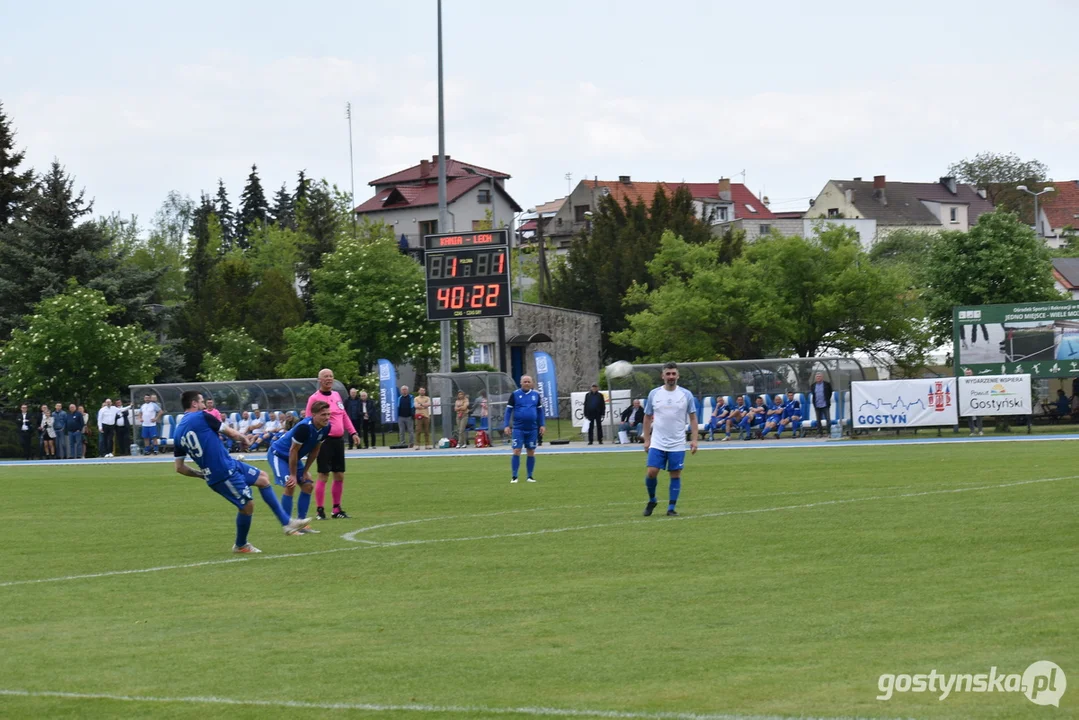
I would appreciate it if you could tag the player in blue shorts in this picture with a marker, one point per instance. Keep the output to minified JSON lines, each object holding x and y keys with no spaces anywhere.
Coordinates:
{"x":666,"y":412}
{"x":304,"y":439}
{"x":753,"y":418}
{"x":524,"y":413}
{"x":718,"y":421}
{"x":773,"y":416}
{"x":197,"y":438}
{"x":792,"y":415}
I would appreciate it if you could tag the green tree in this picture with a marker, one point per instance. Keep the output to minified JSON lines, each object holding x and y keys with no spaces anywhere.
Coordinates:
{"x":283,"y":212}
{"x":603,"y":264}
{"x":376,"y":296}
{"x":71,"y":349}
{"x":275,"y":247}
{"x":908,"y":250}
{"x":15,"y":185}
{"x":313,"y":346}
{"x":237,"y":356}
{"x":254,"y":210}
{"x":53,"y":243}
{"x":999,"y":260}
{"x":223,"y":209}
{"x":320,"y":226}
{"x":783,"y":295}
{"x":272,"y":309}
{"x":998,"y":174}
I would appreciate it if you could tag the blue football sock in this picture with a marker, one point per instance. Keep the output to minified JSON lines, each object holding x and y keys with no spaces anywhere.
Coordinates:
{"x":515,"y":464}
{"x":764,"y":434}
{"x":270,"y":497}
{"x":243,"y":524}
{"x":286,"y":505}
{"x":530,"y":464}
{"x":651,"y":483}
{"x":779,"y":431}
{"x":303,"y":505}
{"x":676,"y":487}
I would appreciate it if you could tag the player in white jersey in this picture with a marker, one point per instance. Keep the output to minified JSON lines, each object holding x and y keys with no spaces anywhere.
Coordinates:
{"x":666,"y":412}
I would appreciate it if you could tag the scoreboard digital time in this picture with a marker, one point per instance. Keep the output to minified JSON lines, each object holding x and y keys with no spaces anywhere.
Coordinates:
{"x":468,"y":277}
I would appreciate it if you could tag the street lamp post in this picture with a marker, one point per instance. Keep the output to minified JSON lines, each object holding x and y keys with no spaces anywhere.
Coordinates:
{"x":520,"y":264}
{"x":1037,"y":222}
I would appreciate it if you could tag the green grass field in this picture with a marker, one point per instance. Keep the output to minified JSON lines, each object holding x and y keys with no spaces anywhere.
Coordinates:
{"x":792,"y":580}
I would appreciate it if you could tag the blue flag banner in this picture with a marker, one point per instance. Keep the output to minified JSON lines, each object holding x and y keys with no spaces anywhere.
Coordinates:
{"x":387,"y":387}
{"x":546,"y":383}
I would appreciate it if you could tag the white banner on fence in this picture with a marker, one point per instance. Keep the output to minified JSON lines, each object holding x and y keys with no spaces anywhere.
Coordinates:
{"x":903,"y":403}
{"x":994,"y":395}
{"x":621,"y":402}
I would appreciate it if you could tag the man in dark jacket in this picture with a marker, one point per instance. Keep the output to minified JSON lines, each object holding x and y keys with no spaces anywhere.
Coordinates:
{"x":820,"y":394}
{"x":74,"y":426}
{"x":59,"y":422}
{"x":354,"y":410}
{"x":632,"y":421}
{"x":24,"y":423}
{"x":369,"y":419}
{"x":406,"y":424}
{"x":595,"y":407}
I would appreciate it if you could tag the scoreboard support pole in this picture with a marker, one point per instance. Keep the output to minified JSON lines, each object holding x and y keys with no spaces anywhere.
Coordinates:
{"x":460,"y":346}
{"x":502,"y":344}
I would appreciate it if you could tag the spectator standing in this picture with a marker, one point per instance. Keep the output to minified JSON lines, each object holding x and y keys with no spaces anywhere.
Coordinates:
{"x":75,"y":426}
{"x":368,"y":415}
{"x":123,"y":427}
{"x":423,"y":419}
{"x":24,"y":422}
{"x":406,"y":423}
{"x":106,"y":425}
{"x":87,"y":428}
{"x":595,"y":408}
{"x":331,"y":458}
{"x":460,"y":407}
{"x":48,"y":434}
{"x":212,"y":409}
{"x":821,"y":392}
{"x":354,"y":411}
{"x":59,"y":420}
{"x":148,"y":413}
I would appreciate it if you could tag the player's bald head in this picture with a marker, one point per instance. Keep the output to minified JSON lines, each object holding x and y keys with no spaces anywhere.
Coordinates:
{"x":325,"y":379}
{"x":526,"y":381}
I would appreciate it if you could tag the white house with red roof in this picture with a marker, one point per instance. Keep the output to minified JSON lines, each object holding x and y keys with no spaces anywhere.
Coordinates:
{"x":1058,"y":213}
{"x":719,"y":203}
{"x":407,"y":200}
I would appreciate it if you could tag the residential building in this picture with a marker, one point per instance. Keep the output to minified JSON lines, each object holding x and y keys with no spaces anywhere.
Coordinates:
{"x":1066,"y":276}
{"x":718,"y":203}
{"x":1058,"y":213}
{"x":407,"y":200}
{"x":893,"y":205}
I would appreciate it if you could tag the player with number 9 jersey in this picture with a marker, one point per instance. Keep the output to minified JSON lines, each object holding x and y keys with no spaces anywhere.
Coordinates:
{"x":197,"y":438}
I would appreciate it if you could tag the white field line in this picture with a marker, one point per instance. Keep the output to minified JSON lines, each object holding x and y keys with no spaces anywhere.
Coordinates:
{"x":532,"y":533}
{"x":409,"y":708}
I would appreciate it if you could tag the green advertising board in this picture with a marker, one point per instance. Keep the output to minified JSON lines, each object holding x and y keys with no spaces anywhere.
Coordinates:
{"x":1041,"y":339}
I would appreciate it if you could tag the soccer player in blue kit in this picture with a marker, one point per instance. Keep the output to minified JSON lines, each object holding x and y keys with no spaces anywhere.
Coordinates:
{"x":525,"y":406}
{"x":304,"y":440}
{"x":197,"y":437}
{"x":666,"y":412}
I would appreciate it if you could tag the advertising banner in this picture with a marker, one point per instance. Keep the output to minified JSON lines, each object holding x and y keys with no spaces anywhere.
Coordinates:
{"x":387,"y":391}
{"x":994,"y":395}
{"x":1036,"y":339}
{"x":903,"y":403}
{"x":546,"y":383}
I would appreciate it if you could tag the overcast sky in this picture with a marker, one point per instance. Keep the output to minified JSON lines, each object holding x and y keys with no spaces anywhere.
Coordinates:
{"x":138,"y":99}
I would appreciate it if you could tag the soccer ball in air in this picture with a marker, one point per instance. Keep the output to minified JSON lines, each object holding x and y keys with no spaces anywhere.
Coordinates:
{"x":619,"y":368}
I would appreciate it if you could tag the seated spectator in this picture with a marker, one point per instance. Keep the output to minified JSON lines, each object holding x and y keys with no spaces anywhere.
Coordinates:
{"x":245,"y":426}
{"x":792,"y":415}
{"x":632,"y":423}
{"x":1062,"y":405}
{"x":773,"y":416}
{"x":266,"y":431}
{"x":718,"y":421}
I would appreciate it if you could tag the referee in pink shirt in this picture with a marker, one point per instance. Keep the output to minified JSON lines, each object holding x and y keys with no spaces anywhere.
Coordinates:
{"x":331,"y":459}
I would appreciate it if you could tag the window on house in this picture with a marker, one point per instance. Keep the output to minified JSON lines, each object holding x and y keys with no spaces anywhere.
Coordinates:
{"x":428,"y":227}
{"x":484,"y":196}
{"x":483,"y":354}
{"x":953,"y":214}
{"x":833,"y":212}
{"x":721,"y":214}
{"x":750,"y":208}
{"x":766,"y":229}
{"x":578,"y":213}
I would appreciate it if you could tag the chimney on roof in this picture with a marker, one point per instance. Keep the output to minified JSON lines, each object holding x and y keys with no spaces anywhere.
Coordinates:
{"x":949,"y":182}
{"x":878,"y":189}
{"x":857,"y":179}
{"x":725,"y":189}
{"x":434,"y":159}
{"x":425,"y":168}
{"x":624,"y":179}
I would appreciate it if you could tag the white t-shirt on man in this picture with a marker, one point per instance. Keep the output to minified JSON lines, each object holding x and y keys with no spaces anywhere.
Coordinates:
{"x":670,"y":412}
{"x":149,"y":414}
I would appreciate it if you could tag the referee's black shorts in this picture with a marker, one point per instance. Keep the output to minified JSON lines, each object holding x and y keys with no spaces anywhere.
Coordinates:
{"x":331,"y":458}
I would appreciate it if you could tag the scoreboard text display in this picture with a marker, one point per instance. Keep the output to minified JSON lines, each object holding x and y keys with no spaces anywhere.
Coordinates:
{"x":468,"y":275}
